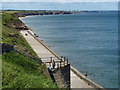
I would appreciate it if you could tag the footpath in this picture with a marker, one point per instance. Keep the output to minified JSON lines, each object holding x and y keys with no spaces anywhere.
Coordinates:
{"x":77,"y":80}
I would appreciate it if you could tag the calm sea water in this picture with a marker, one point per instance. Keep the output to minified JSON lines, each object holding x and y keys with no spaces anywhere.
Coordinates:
{"x":89,"y":40}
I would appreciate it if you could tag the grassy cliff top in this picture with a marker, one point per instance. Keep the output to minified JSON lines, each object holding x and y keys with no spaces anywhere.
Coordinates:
{"x":21,"y":66}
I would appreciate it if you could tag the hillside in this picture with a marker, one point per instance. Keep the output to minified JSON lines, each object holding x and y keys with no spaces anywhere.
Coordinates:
{"x":21,"y":67}
{"x":23,"y":13}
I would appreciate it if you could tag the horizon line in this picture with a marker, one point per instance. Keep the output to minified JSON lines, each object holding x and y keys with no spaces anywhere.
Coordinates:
{"x":51,"y":10}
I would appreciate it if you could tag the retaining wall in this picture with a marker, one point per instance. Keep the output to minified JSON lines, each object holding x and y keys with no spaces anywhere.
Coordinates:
{"x":81,"y":76}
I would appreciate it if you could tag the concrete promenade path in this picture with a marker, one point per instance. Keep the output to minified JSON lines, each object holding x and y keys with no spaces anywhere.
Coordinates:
{"x":45,"y":55}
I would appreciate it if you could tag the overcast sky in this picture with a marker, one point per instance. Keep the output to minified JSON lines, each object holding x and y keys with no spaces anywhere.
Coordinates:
{"x":59,"y":0}
{"x":60,"y":4}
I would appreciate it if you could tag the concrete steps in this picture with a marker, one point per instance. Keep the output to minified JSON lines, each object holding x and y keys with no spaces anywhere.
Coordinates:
{"x":58,"y":79}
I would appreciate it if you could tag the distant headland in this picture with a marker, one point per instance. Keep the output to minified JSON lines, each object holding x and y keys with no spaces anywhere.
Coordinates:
{"x":23,"y":13}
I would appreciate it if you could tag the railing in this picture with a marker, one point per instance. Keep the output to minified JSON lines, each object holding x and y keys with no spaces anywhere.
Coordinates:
{"x":40,"y":41}
{"x":59,"y":63}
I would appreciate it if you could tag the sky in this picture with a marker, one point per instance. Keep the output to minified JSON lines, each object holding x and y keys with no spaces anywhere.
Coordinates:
{"x":60,"y":4}
{"x":59,"y":0}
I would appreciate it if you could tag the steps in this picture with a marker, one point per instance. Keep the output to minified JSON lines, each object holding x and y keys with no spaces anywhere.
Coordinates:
{"x":58,"y":79}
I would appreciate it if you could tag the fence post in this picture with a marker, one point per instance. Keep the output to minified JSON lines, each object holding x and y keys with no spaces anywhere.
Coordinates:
{"x":67,"y":60}
{"x":64,"y":62}
{"x":60,"y":64}
{"x":64,"y":58}
{"x":50,"y":59}
{"x":57,"y":65}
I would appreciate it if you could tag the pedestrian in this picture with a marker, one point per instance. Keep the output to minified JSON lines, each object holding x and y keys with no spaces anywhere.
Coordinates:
{"x":53,"y":64}
{"x":86,"y":74}
{"x":49,"y":68}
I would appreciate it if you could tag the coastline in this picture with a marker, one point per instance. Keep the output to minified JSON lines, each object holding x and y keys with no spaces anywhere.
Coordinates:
{"x":76,"y":72}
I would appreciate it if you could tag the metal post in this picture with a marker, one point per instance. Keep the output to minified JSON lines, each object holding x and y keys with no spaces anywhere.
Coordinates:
{"x":57,"y":64}
{"x":64,"y":58}
{"x":51,"y":59}
{"x":60,"y":64}
{"x":64,"y":62}
{"x":67,"y":60}
{"x":61,"y":57}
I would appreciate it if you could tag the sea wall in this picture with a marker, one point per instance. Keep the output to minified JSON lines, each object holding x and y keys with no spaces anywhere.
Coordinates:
{"x":84,"y":78}
{"x":66,"y":73}
{"x":77,"y":73}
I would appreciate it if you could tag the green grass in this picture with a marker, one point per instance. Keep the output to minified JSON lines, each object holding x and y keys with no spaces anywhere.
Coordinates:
{"x":9,"y":32}
{"x":19,"y":69}
{"x":0,"y":27}
{"x":20,"y":72}
{"x":11,"y":11}
{"x":0,"y":71}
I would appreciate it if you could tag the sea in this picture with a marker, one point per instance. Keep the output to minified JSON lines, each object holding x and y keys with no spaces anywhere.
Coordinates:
{"x":89,"y":40}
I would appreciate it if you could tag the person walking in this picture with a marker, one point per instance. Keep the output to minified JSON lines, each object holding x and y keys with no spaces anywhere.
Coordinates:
{"x":53,"y":64}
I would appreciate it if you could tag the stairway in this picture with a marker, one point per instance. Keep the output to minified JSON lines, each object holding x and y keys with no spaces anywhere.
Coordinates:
{"x":58,"y":79}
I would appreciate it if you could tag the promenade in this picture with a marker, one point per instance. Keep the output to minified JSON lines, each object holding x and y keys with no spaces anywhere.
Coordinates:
{"x":45,"y":54}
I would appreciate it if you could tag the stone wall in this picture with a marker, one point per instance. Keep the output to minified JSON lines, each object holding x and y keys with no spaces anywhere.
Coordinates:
{"x":66,"y":74}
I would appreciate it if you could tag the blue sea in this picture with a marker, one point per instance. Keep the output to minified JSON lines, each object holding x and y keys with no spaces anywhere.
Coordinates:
{"x":89,"y":40}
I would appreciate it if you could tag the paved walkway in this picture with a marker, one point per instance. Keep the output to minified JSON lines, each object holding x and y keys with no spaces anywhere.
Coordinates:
{"x":76,"y":82}
{"x":45,"y":55}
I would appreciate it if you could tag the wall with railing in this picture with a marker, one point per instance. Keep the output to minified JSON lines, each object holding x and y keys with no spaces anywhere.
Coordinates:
{"x":64,"y":66}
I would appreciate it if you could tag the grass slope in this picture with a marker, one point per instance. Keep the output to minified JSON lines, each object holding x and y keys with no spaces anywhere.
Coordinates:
{"x":21,"y":68}
{"x":20,"y":72}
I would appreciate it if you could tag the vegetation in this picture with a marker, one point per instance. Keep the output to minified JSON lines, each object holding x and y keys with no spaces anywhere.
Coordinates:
{"x":23,"y":13}
{"x":20,"y":72}
{"x":21,"y":67}
{"x":11,"y":36}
